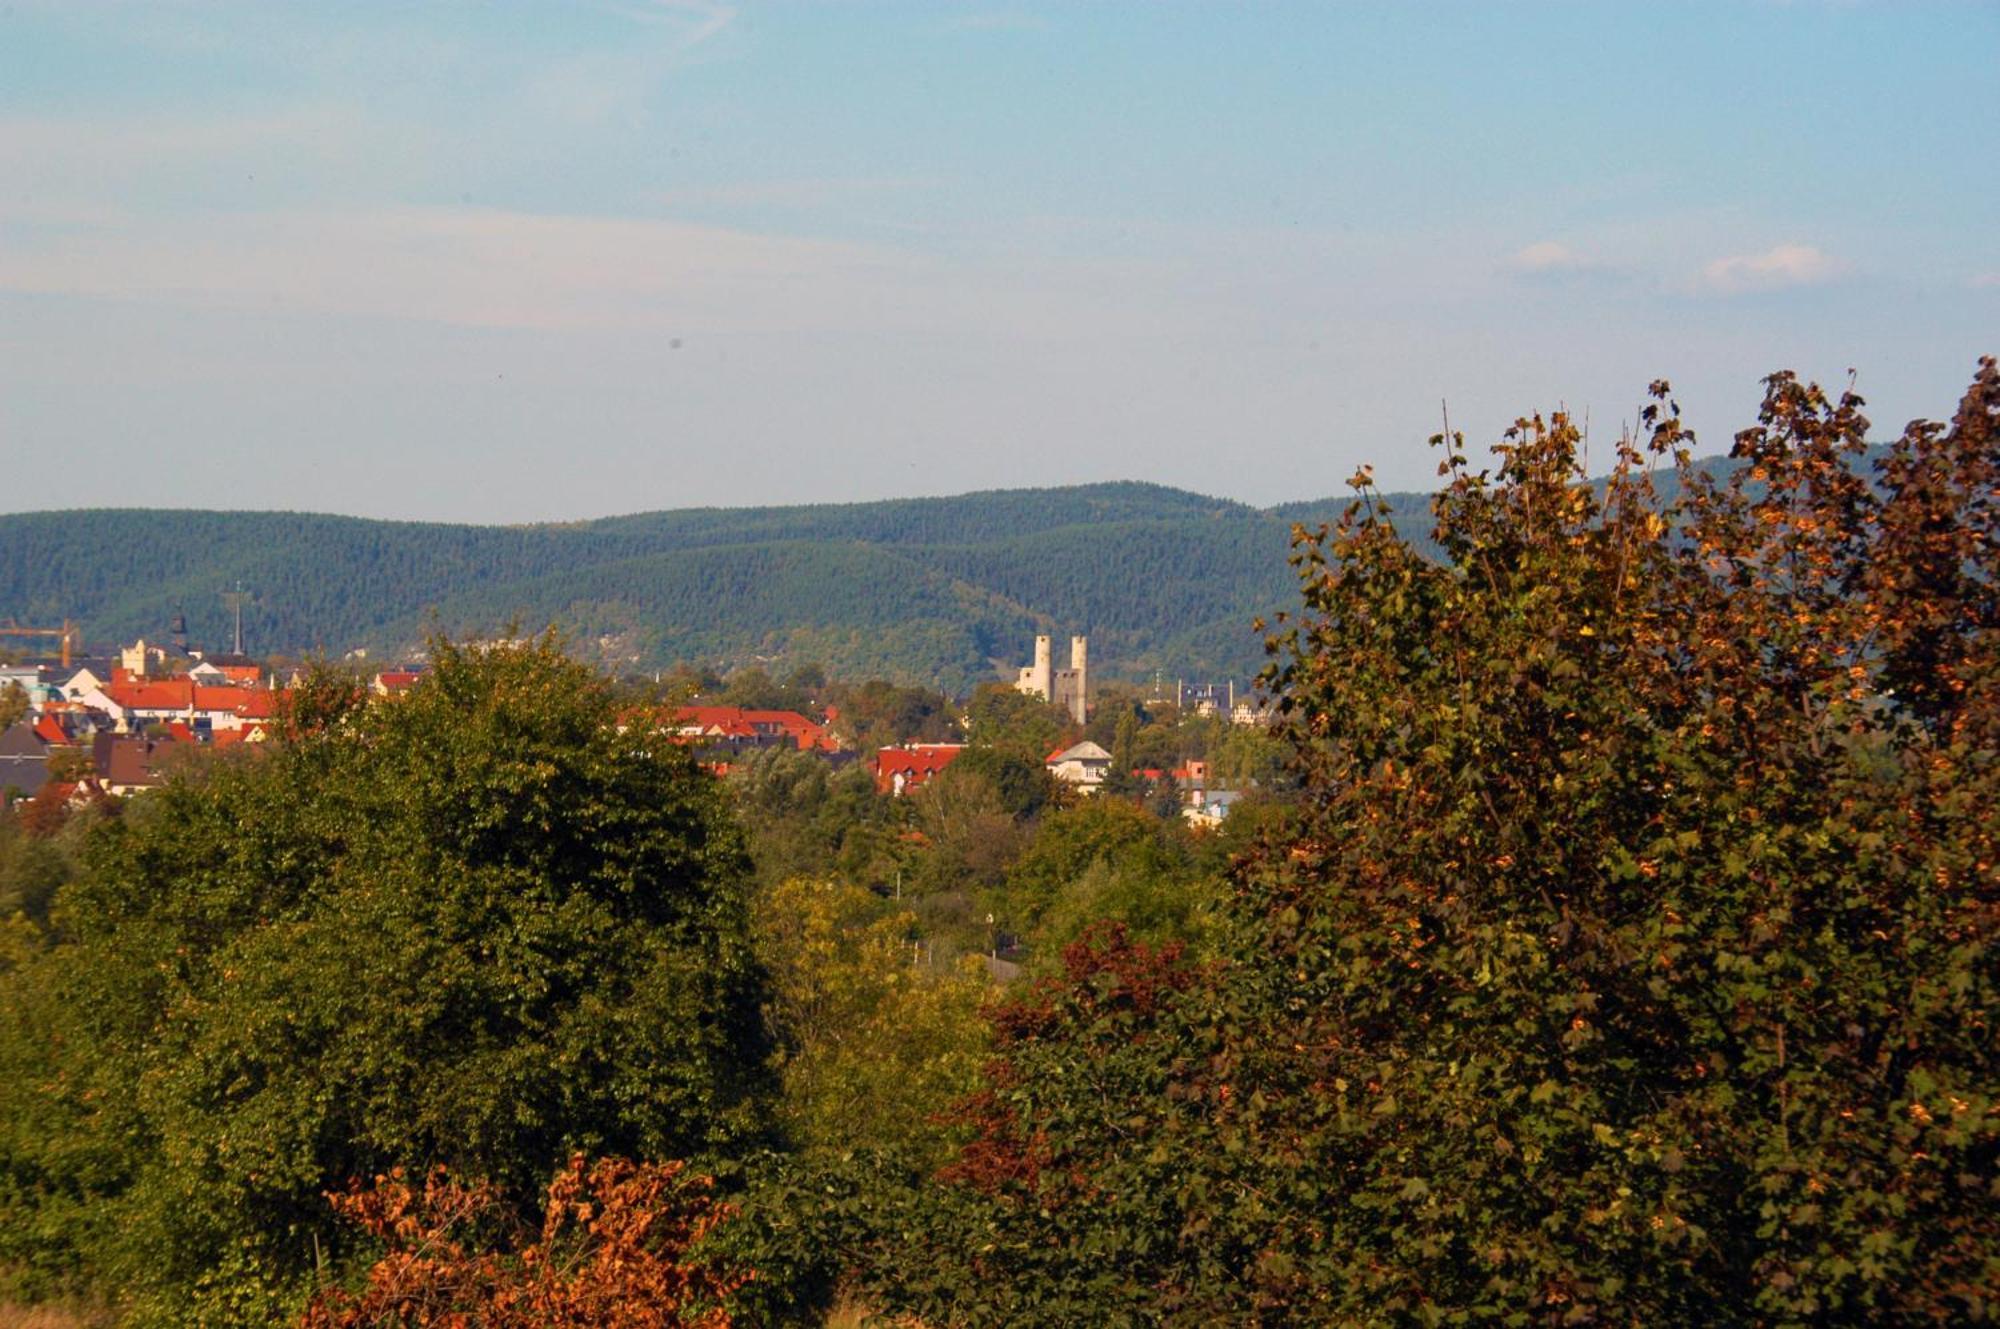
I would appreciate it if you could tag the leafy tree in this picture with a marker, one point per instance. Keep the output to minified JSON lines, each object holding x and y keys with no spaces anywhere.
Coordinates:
{"x":876,"y":1044}
{"x":483,"y":926}
{"x":13,"y":704}
{"x":879,"y":713}
{"x":1246,"y":757}
{"x":1000,"y":717}
{"x":1021,"y":783}
{"x":1633,"y":960}
{"x":796,"y":809}
{"x":755,"y":689}
{"x":970,"y":832}
{"x":1105,"y":859}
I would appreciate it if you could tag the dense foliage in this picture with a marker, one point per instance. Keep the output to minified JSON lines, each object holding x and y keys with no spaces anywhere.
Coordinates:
{"x":875,"y":1039}
{"x":1634,"y":962}
{"x":482,"y":926}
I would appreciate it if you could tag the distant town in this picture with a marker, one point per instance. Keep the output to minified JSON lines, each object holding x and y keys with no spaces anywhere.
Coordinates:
{"x":81,"y":727}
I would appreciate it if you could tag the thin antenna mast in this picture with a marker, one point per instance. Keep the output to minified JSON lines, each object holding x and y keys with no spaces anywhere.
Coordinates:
{"x":234,"y":599}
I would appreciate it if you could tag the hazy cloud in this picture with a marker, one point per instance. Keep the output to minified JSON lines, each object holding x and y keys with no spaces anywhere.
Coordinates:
{"x":695,"y":21}
{"x":1775,"y":269}
{"x":1550,"y":257}
{"x":490,"y":268}
{"x":1986,"y":280}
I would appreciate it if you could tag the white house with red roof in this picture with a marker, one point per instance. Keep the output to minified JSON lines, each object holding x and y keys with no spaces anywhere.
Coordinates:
{"x":132,"y":706}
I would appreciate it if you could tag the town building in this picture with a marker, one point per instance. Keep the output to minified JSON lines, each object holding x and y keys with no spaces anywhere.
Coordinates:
{"x":1068,"y":688}
{"x":1083,"y":766}
{"x":899,"y":770}
{"x":24,"y":760}
{"x":737,"y":722}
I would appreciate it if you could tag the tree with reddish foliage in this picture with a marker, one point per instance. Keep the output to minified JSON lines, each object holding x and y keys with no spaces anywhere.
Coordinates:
{"x":613,"y":1252}
{"x":1634,"y":960}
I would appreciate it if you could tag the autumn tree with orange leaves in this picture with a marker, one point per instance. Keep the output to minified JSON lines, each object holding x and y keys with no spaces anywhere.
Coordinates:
{"x":613,"y":1252}
{"x":1635,"y":963}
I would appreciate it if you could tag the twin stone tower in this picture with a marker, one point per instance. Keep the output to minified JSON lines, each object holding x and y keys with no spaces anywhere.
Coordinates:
{"x":1067,"y":688}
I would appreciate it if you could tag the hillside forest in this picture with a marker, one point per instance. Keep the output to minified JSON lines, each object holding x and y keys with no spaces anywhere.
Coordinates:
{"x":943,"y":592}
{"x":1606,"y":936}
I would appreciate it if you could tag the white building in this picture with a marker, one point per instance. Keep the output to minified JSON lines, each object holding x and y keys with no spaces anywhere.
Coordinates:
{"x":1068,"y":688}
{"x":1084,"y":766}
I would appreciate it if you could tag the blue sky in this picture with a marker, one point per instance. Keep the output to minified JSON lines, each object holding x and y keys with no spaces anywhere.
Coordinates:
{"x":513,"y":262}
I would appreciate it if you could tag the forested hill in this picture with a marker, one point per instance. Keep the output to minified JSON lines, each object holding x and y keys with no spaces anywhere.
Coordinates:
{"x":938,"y":590}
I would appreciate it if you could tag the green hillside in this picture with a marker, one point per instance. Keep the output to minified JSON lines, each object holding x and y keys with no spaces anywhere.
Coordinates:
{"x":946,"y":590}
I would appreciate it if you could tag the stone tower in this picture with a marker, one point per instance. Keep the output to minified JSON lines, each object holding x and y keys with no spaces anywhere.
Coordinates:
{"x":1079,"y":667}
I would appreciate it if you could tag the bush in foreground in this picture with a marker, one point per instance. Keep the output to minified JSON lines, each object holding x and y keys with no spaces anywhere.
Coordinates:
{"x":613,"y":1252}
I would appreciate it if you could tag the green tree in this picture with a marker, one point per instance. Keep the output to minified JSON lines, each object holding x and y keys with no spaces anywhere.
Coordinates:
{"x":875,"y":1042}
{"x":484,"y":926}
{"x":1105,"y":858}
{"x":1000,"y":717}
{"x":1633,"y":959}
{"x":13,"y":704}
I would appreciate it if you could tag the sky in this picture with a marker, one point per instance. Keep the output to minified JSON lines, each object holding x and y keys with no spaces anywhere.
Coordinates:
{"x":508,"y":262}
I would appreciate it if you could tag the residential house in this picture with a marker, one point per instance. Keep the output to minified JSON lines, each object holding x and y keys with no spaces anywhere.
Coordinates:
{"x":127,"y":763}
{"x":24,"y":759}
{"x":1207,"y":807}
{"x":132,"y":706}
{"x":721,"y":722}
{"x":1083,"y":766}
{"x":395,"y":682}
{"x":898,"y":770}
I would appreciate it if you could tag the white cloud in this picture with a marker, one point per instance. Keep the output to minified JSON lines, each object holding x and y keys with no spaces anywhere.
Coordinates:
{"x":1777,"y":268}
{"x":1548,"y":257}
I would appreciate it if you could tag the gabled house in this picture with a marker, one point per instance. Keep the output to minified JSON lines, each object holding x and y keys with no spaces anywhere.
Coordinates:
{"x":1083,"y":766}
{"x":24,"y":758}
{"x":127,"y":763}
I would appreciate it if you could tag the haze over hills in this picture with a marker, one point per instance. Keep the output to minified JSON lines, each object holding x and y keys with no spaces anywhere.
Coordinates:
{"x":947,"y":591}
{"x":943,"y":590}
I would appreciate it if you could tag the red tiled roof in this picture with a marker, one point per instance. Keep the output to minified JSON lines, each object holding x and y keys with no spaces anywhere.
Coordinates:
{"x":916,"y":763}
{"x":175,"y":694}
{"x":250,"y":703}
{"x":182,"y":694}
{"x":50,"y":730}
{"x":739,"y":722}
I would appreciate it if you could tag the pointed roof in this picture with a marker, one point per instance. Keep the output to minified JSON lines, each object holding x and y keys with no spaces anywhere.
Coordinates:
{"x":1084,"y":751}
